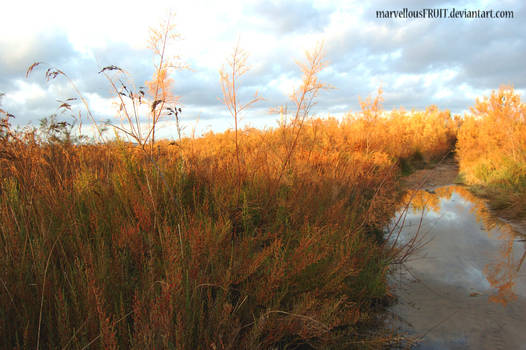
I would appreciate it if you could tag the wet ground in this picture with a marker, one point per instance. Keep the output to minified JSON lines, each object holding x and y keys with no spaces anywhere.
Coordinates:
{"x":441,"y":174}
{"x":464,"y":287}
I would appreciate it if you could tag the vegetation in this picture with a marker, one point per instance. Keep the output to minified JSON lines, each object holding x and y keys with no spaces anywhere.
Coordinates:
{"x":247,"y":239}
{"x":104,"y":248}
{"x":491,"y":150}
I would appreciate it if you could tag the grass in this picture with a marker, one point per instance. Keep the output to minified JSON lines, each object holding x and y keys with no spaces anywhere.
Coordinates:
{"x":247,"y":239}
{"x":103,"y":247}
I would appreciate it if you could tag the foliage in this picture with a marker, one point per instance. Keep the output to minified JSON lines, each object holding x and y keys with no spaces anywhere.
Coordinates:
{"x":491,"y":149}
{"x":248,"y":239}
{"x":99,"y":250}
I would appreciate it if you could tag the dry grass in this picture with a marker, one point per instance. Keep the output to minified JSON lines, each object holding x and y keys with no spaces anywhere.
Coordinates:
{"x":99,"y":248}
{"x":248,"y":239}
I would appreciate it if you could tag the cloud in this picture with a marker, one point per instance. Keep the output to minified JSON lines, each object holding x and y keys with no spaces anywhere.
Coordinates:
{"x":417,"y":62}
{"x":482,"y":53}
{"x":31,"y":99}
{"x":288,"y":16}
{"x":19,"y":53}
{"x":48,"y":46}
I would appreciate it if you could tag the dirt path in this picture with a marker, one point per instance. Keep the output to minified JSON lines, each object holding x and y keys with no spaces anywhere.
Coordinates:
{"x":444,"y":173}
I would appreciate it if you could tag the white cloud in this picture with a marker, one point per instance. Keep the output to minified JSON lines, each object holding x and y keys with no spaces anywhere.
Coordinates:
{"x":417,"y":62}
{"x":25,"y":92}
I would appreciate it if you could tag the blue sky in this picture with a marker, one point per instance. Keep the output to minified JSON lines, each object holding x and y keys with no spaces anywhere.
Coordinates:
{"x":417,"y":62}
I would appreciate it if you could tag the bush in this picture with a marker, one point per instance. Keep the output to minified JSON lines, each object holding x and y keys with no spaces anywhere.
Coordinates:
{"x":491,"y":149}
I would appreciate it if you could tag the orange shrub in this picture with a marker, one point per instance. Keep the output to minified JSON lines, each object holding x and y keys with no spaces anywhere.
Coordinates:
{"x":491,"y":147}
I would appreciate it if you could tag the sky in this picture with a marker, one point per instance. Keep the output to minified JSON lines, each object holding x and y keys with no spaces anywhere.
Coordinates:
{"x":417,"y":62}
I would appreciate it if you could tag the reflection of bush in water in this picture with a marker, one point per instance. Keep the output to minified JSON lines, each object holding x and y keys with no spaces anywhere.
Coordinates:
{"x":502,"y":272}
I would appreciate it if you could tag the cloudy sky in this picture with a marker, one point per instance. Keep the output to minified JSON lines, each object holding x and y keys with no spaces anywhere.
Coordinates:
{"x":417,"y":62}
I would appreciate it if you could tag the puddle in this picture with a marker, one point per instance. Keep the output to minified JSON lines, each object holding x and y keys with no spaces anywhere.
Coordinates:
{"x":464,"y":286}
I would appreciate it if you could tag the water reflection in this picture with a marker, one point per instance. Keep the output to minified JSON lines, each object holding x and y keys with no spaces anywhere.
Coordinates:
{"x":465,"y":257}
{"x":468,"y":245}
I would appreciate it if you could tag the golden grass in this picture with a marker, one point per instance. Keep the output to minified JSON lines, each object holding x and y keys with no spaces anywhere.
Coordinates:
{"x":103,"y":247}
{"x":247,"y":239}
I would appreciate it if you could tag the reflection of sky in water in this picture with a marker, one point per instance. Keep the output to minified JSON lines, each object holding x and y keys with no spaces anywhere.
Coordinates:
{"x":458,"y":250}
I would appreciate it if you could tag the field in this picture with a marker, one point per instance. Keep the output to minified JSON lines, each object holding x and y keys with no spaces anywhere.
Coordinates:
{"x":201,"y":244}
{"x":247,"y":239}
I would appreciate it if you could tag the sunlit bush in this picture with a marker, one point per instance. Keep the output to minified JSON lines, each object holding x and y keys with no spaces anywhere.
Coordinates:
{"x":491,"y":147}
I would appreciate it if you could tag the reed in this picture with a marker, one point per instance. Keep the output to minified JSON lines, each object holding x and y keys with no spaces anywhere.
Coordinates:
{"x":247,"y":239}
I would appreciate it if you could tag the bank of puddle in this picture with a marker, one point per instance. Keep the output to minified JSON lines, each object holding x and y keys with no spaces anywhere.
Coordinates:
{"x":464,"y":284}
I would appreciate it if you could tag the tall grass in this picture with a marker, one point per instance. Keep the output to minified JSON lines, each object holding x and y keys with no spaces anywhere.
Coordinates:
{"x":248,"y":239}
{"x":97,"y":249}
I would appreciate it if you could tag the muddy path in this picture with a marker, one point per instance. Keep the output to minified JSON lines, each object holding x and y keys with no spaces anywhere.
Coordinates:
{"x":464,"y":287}
{"x":444,"y":173}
